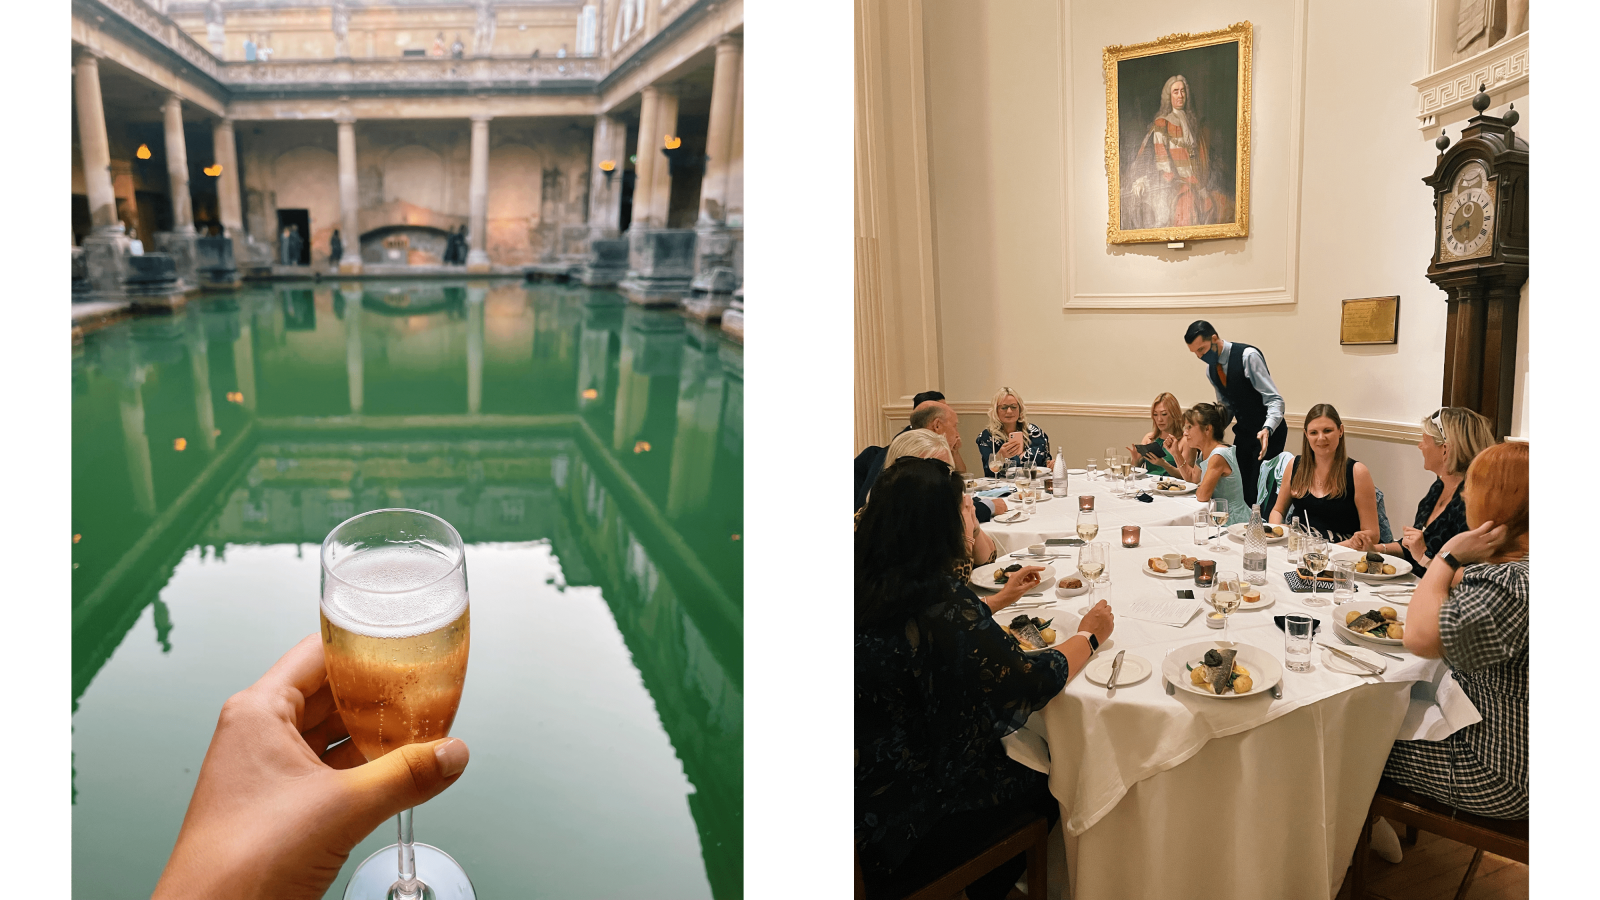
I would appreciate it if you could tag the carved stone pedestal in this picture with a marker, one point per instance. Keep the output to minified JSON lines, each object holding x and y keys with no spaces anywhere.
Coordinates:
{"x":606,"y":264}
{"x":153,"y":283}
{"x":105,"y":260}
{"x":719,"y":247}
{"x":80,"y":275}
{"x":660,"y":264}
{"x":182,"y":246}
{"x":214,"y":264}
{"x":733,"y":318}
{"x":710,"y":294}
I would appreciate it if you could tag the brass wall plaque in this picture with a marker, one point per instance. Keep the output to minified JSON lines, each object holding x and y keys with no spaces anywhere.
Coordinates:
{"x":1371,"y":320}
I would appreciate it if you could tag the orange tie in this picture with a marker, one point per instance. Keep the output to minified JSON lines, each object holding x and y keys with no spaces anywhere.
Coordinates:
{"x":1222,"y":375}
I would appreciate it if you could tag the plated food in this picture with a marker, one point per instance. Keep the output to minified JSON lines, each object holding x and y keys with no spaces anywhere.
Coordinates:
{"x":1173,"y":486}
{"x":1220,"y":673}
{"x":1158,"y":567}
{"x":1033,"y":634}
{"x":1377,"y":566}
{"x":994,"y":576}
{"x":1219,"y":669}
{"x":1369,"y":623}
{"x":1275,"y":534}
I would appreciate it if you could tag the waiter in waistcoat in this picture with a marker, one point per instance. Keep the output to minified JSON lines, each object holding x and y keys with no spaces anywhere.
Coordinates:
{"x":1238,"y":373}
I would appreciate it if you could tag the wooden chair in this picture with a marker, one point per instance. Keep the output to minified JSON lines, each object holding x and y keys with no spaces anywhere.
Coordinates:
{"x":1502,"y":837}
{"x":1029,"y":833}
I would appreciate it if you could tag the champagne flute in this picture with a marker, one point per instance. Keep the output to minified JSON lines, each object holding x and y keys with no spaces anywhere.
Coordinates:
{"x":1226,"y":595}
{"x":1315,"y":556}
{"x":1092,"y":560}
{"x":395,"y":634}
{"x":1218,"y":508}
{"x":1088,"y":525}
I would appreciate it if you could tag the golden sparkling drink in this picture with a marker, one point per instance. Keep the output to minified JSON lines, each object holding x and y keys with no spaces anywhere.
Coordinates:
{"x":396,"y":659}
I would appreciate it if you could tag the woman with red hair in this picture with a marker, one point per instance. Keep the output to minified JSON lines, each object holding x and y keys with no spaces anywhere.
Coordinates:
{"x":1471,"y":608}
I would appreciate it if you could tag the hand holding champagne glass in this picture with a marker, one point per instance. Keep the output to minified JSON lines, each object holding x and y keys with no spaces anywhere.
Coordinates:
{"x":395,"y":633}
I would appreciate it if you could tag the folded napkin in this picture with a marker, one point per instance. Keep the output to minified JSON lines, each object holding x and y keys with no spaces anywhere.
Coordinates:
{"x":1437,"y":710}
{"x":997,"y":492}
{"x":1301,"y":586}
{"x":1315,"y":625}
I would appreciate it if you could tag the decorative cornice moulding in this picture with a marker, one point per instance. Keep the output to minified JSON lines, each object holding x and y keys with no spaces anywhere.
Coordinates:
{"x":1375,"y":429}
{"x":1502,"y":67}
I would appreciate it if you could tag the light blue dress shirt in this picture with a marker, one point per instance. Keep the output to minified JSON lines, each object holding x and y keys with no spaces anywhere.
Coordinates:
{"x":1255,"y":368}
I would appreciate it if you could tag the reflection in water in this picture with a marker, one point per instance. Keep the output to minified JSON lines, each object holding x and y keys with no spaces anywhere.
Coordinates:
{"x":526,"y":416}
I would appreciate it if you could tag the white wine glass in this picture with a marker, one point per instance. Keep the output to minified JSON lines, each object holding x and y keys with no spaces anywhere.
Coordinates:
{"x":1218,"y":508}
{"x":1088,"y":525}
{"x":1226,"y":595}
{"x":1092,"y":560}
{"x":395,"y":635}
{"x":1314,"y":554}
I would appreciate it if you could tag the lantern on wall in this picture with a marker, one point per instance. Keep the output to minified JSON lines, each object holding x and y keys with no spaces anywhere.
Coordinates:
{"x":143,"y":152}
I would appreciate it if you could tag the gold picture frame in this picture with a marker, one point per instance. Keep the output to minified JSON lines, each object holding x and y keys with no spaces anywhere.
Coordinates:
{"x":1181,"y":180}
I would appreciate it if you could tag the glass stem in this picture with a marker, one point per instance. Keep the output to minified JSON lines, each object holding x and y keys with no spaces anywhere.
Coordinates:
{"x":407,"y":887}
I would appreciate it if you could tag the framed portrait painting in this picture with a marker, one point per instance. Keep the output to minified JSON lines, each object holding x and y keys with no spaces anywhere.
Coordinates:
{"x":1178,"y":137}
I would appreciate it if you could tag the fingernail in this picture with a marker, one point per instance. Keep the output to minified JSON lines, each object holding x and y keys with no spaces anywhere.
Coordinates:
{"x":452,"y":756}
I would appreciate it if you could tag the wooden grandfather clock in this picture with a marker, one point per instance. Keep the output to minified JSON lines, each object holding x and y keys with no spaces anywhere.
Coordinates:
{"x":1480,"y":258}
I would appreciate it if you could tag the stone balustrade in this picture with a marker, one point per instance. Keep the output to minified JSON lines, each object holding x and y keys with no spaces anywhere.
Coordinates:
{"x":410,"y":73}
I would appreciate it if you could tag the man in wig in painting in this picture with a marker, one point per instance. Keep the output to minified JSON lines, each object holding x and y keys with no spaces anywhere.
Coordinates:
{"x":1173,"y":182}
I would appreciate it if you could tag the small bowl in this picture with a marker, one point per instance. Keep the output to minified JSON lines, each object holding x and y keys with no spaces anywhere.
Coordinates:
{"x":1214,"y":620}
{"x":1036,"y":549}
{"x":1061,"y":591}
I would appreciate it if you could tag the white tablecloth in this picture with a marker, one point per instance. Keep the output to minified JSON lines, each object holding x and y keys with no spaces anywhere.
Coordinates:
{"x":1138,"y":773}
{"x":1058,"y":516}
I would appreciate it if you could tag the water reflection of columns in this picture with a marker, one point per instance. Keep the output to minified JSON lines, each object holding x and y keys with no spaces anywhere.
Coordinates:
{"x":694,"y":449}
{"x":352,"y":346}
{"x":475,"y":304}
{"x":244,"y":357}
{"x":652,"y":344}
{"x":135,"y":443}
{"x":200,"y":367}
{"x":594,"y":354}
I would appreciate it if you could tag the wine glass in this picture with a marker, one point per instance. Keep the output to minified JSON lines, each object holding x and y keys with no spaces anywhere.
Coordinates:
{"x":1092,"y":560}
{"x":395,"y":636}
{"x":1088,"y":525}
{"x":1314,"y":553}
{"x":1218,"y":508}
{"x":1226,"y":595}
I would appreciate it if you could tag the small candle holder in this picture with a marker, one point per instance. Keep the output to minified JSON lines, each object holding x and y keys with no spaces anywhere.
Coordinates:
{"x":1205,"y":572}
{"x":1130,"y":535}
{"x":1086,"y":501}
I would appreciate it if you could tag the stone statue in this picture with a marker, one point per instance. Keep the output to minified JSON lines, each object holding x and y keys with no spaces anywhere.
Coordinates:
{"x":483,"y":35}
{"x":1481,"y":24}
{"x":215,"y":33}
{"x":341,"y":30}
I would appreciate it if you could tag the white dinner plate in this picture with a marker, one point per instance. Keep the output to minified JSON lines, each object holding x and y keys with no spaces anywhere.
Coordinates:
{"x":1402,"y":569}
{"x":983,"y":576}
{"x":1062,"y":634}
{"x":1339,"y":612}
{"x":1237,"y":530}
{"x":1339,"y":664}
{"x":1077,"y":471}
{"x":1265,"y":671}
{"x":1134,"y":669}
{"x":1163,"y":492}
{"x":1266,"y":600}
{"x":1179,"y":572}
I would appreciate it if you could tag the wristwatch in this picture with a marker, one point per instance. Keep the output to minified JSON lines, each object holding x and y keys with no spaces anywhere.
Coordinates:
{"x":1094,"y":642}
{"x":1450,"y":560}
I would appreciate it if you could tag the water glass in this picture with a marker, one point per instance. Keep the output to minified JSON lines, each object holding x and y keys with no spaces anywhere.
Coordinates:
{"x":1102,"y":590}
{"x":1030,"y":501}
{"x":1297,"y":642}
{"x":1344,"y":577}
{"x":1202,"y":526}
{"x":1090,"y":468}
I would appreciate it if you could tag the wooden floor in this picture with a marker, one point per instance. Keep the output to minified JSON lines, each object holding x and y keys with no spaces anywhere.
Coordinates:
{"x":1431,"y":870}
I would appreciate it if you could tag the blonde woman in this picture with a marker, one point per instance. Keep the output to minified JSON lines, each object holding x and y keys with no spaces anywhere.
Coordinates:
{"x":921,"y":443}
{"x":1451,"y":439}
{"x":1330,"y":491}
{"x":1010,"y":439}
{"x":1166,"y":426}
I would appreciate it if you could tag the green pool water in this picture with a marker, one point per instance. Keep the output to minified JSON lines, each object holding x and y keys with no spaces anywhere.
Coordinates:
{"x":590,"y":454}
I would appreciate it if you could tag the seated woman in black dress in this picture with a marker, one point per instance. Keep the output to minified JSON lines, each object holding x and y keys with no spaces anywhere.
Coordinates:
{"x":938,"y":684}
{"x":1471,"y":608}
{"x":1010,"y":439}
{"x":1328,"y":490}
{"x":1451,"y":439}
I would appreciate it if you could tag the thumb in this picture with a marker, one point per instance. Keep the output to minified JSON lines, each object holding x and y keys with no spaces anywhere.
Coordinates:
{"x":402,"y":778}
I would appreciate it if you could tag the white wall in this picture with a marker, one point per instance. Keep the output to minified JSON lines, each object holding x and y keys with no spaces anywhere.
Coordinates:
{"x":1012,"y":87}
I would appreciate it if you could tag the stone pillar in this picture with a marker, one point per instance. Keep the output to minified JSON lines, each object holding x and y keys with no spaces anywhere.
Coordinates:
{"x":605,"y":191}
{"x":646,"y":159}
{"x":180,"y":241}
{"x":225,"y":155}
{"x":105,"y":249}
{"x":719,"y":131}
{"x":661,"y":184}
{"x":177,"y":165}
{"x":353,"y":359}
{"x":200,"y":368}
{"x":478,"y":196}
{"x":475,"y":302}
{"x":733,"y":191}
{"x":349,"y":199}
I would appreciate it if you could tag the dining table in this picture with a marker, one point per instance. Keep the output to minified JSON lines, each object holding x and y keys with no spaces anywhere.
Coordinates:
{"x":1176,"y":794}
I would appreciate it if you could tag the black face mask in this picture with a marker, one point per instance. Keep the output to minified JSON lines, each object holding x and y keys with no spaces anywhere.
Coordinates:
{"x":1210,"y":356}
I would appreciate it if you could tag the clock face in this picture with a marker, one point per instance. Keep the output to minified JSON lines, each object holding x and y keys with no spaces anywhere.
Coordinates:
{"x":1467,"y":226}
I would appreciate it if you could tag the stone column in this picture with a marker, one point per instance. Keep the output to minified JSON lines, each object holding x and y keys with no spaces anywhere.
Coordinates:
{"x":177,"y":165}
{"x":661,"y":184}
{"x":646,"y":159}
{"x":733,"y":191}
{"x":225,"y":155}
{"x":719,"y":131}
{"x":354,"y":360}
{"x":105,"y":249}
{"x":478,"y":196}
{"x":349,"y":199}
{"x":605,"y":189}
{"x":475,"y":302}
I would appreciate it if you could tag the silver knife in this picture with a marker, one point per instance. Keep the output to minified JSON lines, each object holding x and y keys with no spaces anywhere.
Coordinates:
{"x":1356,"y":659}
{"x":1116,"y":669}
